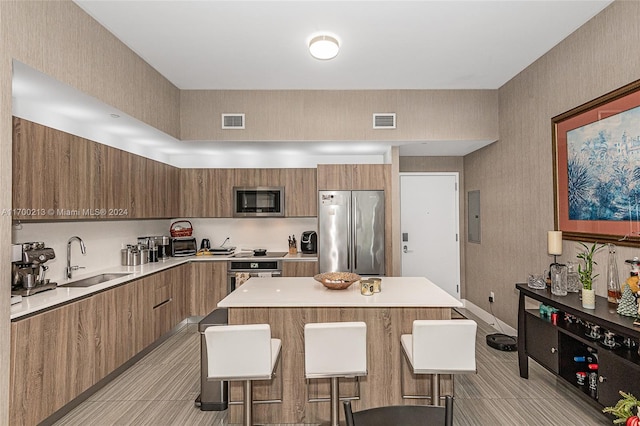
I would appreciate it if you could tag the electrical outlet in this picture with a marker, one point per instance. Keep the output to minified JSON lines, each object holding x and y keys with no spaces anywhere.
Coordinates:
{"x":492,"y":297}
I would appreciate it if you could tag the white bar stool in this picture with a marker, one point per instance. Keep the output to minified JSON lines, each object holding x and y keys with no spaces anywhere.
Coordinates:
{"x":242,"y":352}
{"x":441,"y":347}
{"x":333,"y":350}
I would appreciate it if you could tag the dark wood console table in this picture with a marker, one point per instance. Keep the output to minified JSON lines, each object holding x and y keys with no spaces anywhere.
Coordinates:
{"x":554,"y":346}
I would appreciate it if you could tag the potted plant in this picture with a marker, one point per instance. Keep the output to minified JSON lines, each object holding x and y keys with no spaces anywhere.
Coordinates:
{"x":586,"y":274}
{"x":625,"y":410}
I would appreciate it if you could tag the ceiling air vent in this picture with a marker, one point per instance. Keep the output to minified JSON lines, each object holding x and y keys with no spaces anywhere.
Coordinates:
{"x":385,"y":120}
{"x":233,"y":121}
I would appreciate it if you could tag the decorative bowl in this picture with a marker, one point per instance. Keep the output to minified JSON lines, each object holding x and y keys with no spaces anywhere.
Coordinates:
{"x":337,"y":280}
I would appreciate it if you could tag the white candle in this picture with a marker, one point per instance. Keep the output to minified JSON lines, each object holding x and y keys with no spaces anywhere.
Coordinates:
{"x":554,"y":242}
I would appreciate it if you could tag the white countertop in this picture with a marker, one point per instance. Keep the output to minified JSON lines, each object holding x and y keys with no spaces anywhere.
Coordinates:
{"x":307,"y":292}
{"x":61,"y":295}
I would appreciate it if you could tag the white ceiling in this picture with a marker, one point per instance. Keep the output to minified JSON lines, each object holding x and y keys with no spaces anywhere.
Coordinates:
{"x":262,"y":45}
{"x":384,"y":44}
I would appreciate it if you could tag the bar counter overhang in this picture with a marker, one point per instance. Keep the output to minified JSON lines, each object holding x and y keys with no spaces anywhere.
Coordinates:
{"x":287,"y":304}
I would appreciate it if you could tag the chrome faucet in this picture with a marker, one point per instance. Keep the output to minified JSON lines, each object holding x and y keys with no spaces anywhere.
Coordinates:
{"x":83,"y":249}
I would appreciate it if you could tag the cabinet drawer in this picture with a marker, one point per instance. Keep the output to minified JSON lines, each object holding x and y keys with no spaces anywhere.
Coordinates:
{"x":542,"y":342}
{"x":614,"y":375}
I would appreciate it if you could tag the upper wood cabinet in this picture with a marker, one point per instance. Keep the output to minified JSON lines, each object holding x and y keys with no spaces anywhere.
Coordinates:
{"x":300,"y":192}
{"x":206,"y":192}
{"x":338,"y":177}
{"x":59,"y":176}
{"x":209,"y":192}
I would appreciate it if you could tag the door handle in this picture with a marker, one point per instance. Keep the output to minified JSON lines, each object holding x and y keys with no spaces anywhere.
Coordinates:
{"x":405,"y":249}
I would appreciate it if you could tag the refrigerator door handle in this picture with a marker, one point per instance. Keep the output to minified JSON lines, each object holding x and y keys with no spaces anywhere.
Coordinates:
{"x":354,"y":232}
{"x":349,"y":231}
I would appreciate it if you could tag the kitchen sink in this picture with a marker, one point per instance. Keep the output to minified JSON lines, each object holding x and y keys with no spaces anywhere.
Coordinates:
{"x":96,"y":279}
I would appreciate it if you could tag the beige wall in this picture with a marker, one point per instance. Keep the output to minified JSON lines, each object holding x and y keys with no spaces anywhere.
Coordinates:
{"x":5,"y":221}
{"x":514,"y":175}
{"x":59,"y":39}
{"x":307,"y":115}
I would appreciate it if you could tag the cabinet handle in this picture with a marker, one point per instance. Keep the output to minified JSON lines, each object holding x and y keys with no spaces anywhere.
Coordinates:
{"x":602,"y":379}
{"x":163,"y":303}
{"x":554,"y":350}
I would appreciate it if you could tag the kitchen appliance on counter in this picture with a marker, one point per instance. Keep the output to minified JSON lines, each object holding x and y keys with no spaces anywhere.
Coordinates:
{"x":183,"y":246}
{"x":238,"y":271}
{"x":259,"y":201}
{"x":157,"y":247}
{"x":28,"y":270}
{"x":309,"y":242}
{"x":351,"y":232}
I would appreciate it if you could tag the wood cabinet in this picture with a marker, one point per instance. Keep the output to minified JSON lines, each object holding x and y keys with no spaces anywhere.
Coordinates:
{"x":542,"y":342}
{"x":58,"y":354}
{"x":53,"y":359}
{"x":206,"y":192}
{"x":300,"y":192}
{"x":209,"y":192}
{"x":348,"y":177}
{"x":564,"y":348}
{"x":335,"y":177}
{"x":164,"y":301}
{"x":293,"y":268}
{"x":59,"y":176}
{"x":209,"y":286}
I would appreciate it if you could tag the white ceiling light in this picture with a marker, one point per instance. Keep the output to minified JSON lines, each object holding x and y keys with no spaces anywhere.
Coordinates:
{"x":324,"y":47}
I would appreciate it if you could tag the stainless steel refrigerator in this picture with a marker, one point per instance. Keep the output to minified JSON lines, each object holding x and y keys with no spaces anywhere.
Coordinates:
{"x":351,"y":232}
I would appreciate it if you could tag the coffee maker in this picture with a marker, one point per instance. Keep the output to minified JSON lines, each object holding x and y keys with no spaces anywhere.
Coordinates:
{"x":309,"y":242}
{"x":28,"y":272}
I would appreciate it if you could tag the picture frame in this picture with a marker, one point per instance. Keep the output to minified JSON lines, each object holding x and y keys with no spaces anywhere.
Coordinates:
{"x":596,"y":169}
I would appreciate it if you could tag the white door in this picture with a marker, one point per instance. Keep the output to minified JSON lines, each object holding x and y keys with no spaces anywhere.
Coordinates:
{"x":430,"y":231}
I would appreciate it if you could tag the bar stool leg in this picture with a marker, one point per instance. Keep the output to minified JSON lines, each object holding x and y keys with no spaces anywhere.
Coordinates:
{"x":248,"y":403}
{"x":435,"y":389}
{"x":335,"y":402}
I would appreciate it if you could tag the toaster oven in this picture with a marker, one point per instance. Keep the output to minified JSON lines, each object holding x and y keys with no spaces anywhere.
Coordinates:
{"x":182,"y":246}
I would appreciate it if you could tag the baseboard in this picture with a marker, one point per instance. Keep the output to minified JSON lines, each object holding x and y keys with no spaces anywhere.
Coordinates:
{"x":489,"y":318}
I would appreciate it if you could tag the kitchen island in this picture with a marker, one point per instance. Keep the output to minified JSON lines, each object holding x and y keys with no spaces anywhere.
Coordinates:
{"x":287,"y":304}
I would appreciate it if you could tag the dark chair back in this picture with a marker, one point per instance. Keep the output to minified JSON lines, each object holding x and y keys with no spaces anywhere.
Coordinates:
{"x":401,"y":415}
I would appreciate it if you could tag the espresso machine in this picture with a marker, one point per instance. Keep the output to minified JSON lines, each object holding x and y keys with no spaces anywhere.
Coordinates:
{"x":28,"y":273}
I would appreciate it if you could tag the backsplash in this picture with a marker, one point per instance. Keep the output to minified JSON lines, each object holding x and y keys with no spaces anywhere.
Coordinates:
{"x":266,"y":233}
{"x":104,"y":239}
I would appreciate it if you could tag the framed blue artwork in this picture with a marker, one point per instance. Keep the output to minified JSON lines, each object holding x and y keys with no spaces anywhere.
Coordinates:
{"x":596,"y":165}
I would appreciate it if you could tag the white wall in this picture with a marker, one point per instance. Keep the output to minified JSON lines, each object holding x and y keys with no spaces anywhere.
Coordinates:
{"x":104,"y":239}
{"x":267,"y":233}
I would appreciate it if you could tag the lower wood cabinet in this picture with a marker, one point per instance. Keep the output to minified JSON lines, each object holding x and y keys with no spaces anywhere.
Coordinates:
{"x":60,"y":353}
{"x":209,"y":286}
{"x":295,"y":268}
{"x":53,"y":360}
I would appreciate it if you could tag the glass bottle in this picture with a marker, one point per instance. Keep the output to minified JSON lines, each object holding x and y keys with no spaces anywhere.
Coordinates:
{"x":613,"y":279}
{"x":573,"y":279}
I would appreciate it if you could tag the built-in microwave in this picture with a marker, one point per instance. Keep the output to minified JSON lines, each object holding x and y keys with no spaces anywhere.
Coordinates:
{"x":258,"y":201}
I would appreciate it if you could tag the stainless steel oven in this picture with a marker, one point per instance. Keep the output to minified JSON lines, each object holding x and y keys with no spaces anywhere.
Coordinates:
{"x":238,"y":271}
